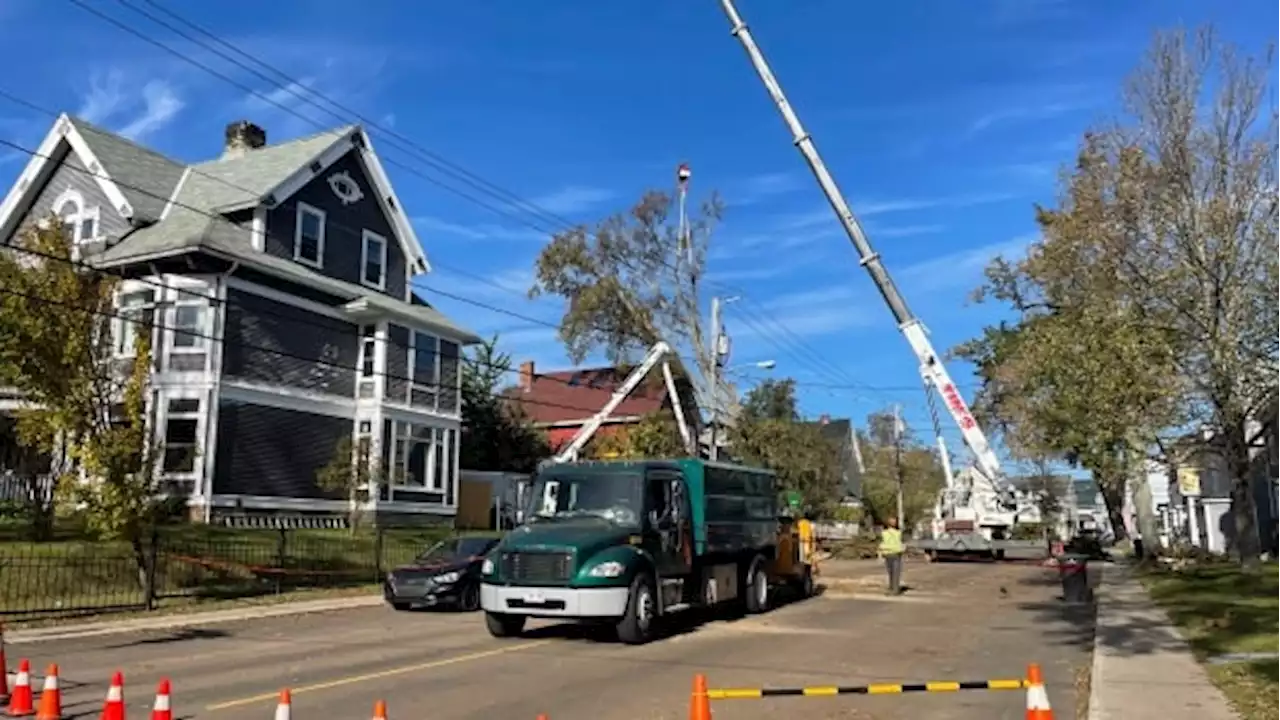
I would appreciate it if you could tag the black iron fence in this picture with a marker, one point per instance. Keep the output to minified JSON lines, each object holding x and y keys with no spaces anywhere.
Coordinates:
{"x":83,"y":577}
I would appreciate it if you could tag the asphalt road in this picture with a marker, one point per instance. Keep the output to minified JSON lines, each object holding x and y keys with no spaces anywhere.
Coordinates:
{"x":954,"y":624}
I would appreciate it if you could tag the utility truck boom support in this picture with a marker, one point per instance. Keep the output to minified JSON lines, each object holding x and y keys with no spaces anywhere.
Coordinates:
{"x":987,"y":465}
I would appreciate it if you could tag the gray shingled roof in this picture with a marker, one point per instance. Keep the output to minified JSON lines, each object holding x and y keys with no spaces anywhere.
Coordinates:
{"x":195,"y":221}
{"x":145,"y":177}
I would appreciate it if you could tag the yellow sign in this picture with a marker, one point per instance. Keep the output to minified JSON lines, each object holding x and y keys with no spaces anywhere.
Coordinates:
{"x":1189,"y":481}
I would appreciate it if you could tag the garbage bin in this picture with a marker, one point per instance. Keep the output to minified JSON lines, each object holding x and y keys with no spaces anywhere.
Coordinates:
{"x":1073,"y":570}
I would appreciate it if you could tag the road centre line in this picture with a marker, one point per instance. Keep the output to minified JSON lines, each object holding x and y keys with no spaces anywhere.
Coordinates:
{"x":457,"y":660}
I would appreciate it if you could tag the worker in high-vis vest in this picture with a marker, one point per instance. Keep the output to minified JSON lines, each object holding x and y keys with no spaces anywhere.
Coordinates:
{"x":891,"y":549}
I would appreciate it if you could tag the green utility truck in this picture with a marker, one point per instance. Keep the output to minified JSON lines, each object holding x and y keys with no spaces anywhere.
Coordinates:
{"x":628,"y":542}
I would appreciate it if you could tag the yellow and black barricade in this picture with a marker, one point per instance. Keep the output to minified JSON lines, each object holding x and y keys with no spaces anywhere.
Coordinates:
{"x":872,"y":689}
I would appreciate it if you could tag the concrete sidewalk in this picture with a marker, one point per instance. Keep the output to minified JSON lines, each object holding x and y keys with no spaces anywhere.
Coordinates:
{"x":1142,"y":667}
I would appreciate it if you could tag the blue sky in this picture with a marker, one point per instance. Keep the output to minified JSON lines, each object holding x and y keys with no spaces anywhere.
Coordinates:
{"x":943,"y":121}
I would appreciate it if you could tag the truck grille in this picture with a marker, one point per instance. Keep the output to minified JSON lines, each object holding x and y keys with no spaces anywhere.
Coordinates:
{"x":537,"y":567}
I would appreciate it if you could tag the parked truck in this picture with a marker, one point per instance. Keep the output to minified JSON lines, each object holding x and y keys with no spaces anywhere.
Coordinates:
{"x":628,"y":543}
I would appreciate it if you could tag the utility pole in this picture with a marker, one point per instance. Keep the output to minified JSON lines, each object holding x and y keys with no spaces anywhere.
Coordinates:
{"x":717,"y":357}
{"x":897,"y":461}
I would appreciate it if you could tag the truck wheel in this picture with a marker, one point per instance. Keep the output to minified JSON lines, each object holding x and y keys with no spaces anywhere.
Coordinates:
{"x":806,"y":583}
{"x":636,"y":627}
{"x":501,"y":626}
{"x":757,"y":587}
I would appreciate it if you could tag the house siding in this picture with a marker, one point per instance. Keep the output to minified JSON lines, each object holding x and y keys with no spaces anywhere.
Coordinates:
{"x":274,"y":451}
{"x":71,"y":174}
{"x":279,"y":344}
{"x":344,"y":225}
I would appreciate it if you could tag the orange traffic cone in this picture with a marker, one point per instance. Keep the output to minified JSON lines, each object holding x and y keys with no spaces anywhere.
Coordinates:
{"x":380,"y":710}
{"x":284,"y":709}
{"x":21,"y":702}
{"x":113,"y":708}
{"x":161,"y":710}
{"x":700,"y":704}
{"x":50,"y":697}
{"x":4,"y":670}
{"x":1037,"y":699}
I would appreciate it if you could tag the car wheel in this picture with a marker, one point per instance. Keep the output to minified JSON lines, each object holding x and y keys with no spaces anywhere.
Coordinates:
{"x":636,"y":626}
{"x":469,"y":600}
{"x":501,"y":626}
{"x":757,"y":587}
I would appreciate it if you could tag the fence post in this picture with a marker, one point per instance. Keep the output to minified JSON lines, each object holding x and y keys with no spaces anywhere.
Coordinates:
{"x":282,"y":552}
{"x":378,"y":545}
{"x":152,"y":558}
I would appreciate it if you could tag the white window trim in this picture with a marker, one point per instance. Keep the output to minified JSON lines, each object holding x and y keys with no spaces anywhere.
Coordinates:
{"x":202,"y":330}
{"x":198,"y":415}
{"x":304,"y":208}
{"x":122,"y":322}
{"x":365,"y":238}
{"x":368,"y":352}
{"x":439,"y":441}
{"x":76,"y":218}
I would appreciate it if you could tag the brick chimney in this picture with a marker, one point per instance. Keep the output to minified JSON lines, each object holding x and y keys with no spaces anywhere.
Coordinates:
{"x":824,"y":419}
{"x":526,"y":375}
{"x":241,"y":137}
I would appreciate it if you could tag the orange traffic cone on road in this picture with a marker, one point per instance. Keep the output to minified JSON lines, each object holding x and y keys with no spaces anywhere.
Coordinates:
{"x":113,"y":707}
{"x":700,"y":703}
{"x":380,"y":710}
{"x":284,"y":709}
{"x":161,"y":709}
{"x":1037,"y":698}
{"x":50,"y":707}
{"x":21,"y":701}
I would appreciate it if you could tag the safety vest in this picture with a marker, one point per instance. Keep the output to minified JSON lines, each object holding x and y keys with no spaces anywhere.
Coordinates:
{"x":891,"y":541}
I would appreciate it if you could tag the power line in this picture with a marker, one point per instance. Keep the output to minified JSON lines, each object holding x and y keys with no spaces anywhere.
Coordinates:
{"x":292,"y":86}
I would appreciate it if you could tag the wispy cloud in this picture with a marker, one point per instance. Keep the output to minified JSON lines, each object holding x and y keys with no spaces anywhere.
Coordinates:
{"x":572,"y":199}
{"x":1027,"y":113}
{"x":906,"y":231}
{"x":134,"y":115}
{"x":161,"y":105}
{"x":810,"y":313}
{"x":962,"y":269}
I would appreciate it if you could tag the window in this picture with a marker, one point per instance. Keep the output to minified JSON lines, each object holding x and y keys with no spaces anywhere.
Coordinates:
{"x":368,"y":361}
{"x":422,"y":457}
{"x":137,"y":313}
{"x":79,"y":222}
{"x":308,"y":236}
{"x":449,"y":376}
{"x":188,"y":327}
{"x":373,"y":260}
{"x":181,"y":430}
{"x":423,"y":371}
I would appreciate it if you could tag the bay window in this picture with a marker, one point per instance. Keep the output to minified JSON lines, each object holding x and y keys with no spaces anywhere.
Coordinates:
{"x":136,"y":315}
{"x":422,"y":457}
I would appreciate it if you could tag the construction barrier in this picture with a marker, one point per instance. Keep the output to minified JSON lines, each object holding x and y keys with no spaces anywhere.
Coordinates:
{"x":1037,"y":699}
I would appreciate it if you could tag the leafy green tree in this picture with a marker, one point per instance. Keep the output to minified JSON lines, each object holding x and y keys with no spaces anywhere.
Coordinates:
{"x":655,"y":436}
{"x":496,"y":436}
{"x":772,"y":399}
{"x":804,"y":459}
{"x":891,"y":457}
{"x":85,"y":409}
{"x":353,"y":472}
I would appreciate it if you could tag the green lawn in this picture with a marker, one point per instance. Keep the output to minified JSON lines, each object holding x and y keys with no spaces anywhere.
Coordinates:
{"x":1221,"y":610}
{"x":73,"y":576}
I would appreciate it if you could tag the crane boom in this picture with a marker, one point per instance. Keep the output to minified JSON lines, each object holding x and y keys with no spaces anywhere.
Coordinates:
{"x":931,"y":366}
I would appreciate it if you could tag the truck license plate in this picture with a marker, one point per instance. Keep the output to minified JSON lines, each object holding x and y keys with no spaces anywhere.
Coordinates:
{"x":534,"y":598}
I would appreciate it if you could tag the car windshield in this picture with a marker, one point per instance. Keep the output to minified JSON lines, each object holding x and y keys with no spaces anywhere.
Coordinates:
{"x":456,"y":549}
{"x":613,"y":496}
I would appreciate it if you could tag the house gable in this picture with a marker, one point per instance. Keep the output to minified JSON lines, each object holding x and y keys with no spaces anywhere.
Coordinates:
{"x":378,"y":187}
{"x":69,"y":191}
{"x":63,"y":140}
{"x":355,"y":227}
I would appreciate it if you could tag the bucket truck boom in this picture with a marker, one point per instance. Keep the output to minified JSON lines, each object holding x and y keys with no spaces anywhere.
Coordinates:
{"x":659,"y":353}
{"x":987,"y":519}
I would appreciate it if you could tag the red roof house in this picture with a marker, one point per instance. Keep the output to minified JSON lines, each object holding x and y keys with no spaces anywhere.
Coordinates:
{"x":563,"y":401}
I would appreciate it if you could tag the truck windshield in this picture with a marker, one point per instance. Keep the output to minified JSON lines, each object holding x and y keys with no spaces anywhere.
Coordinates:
{"x":613,"y":496}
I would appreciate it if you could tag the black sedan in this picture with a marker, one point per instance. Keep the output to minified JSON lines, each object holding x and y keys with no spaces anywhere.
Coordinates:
{"x":447,"y":574}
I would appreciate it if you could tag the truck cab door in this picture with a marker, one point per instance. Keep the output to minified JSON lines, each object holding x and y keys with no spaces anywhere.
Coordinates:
{"x":667,"y":534}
